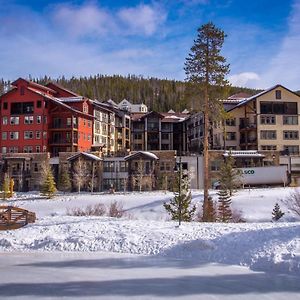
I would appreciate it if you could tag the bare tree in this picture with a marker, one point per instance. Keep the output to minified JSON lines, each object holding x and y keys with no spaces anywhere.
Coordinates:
{"x":139,"y":174}
{"x":292,"y":202}
{"x":80,"y":173}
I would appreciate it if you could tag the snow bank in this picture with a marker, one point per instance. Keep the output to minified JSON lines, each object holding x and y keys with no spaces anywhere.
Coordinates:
{"x":260,"y":246}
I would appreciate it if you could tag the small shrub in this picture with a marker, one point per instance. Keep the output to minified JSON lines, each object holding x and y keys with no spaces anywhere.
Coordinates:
{"x":90,"y":210}
{"x":237,"y":217}
{"x":277,"y":213}
{"x":116,"y":210}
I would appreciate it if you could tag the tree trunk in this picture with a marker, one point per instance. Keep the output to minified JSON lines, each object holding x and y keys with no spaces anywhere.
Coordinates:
{"x":205,"y":154}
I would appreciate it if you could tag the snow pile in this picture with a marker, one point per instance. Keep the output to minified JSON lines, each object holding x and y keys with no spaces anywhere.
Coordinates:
{"x":261,"y":246}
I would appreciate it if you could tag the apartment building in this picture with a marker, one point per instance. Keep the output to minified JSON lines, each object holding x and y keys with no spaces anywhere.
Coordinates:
{"x":158,"y":131}
{"x":133,"y":108}
{"x":266,"y":121}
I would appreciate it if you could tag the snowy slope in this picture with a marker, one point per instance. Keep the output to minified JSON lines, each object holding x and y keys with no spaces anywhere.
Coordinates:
{"x":258,"y":244}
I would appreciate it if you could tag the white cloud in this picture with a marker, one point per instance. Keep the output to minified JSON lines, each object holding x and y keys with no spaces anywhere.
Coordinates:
{"x":143,"y":18}
{"x":249,"y":79}
{"x":82,"y":20}
{"x":90,"y":20}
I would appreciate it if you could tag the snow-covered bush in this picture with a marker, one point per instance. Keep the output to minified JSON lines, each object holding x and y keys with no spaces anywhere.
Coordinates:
{"x":90,"y":210}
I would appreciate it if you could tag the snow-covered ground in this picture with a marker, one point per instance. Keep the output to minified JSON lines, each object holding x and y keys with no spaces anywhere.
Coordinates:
{"x":151,"y":241}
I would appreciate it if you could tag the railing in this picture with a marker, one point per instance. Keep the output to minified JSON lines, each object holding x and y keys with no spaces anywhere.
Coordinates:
{"x":63,"y":126}
{"x":248,"y":141}
{"x":14,"y":217}
{"x":63,"y":141}
{"x":247,"y":125}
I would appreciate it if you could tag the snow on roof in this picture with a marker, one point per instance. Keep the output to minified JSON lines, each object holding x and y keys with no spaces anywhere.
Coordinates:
{"x":171,"y":111}
{"x":243,"y":153}
{"x":146,"y":153}
{"x":88,"y":155}
{"x":71,"y":99}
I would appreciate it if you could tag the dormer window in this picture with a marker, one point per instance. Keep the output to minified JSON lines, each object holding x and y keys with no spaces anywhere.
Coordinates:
{"x":278,"y":94}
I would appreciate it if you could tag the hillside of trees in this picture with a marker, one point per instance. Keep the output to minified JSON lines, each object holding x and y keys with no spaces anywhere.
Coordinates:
{"x":159,"y":94}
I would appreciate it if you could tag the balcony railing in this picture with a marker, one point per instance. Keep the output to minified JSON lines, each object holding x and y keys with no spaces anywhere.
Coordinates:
{"x":62,"y":141}
{"x":248,"y":125}
{"x":248,"y":141}
{"x":63,"y":126}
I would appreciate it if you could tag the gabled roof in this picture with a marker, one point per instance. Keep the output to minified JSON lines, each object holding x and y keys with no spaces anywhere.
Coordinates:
{"x":34,"y":84}
{"x":247,"y":100}
{"x":58,"y":86}
{"x":57,"y":101}
{"x":86,"y":155}
{"x":148,"y":154}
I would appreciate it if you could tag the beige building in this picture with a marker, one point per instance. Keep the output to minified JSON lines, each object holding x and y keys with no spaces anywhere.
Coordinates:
{"x":266,"y":121}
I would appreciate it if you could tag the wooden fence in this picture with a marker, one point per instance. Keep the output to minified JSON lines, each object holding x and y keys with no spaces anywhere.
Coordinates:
{"x":12,"y":217}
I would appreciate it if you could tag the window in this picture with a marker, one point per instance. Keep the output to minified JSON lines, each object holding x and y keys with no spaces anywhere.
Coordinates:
{"x":165,"y":147}
{"x":4,"y":120}
{"x":279,"y":108}
{"x":5,"y":105}
{"x":230,"y":136}
{"x":37,"y":149}
{"x":123,"y":167}
{"x":44,"y":148}
{"x":45,"y":135}
{"x":291,"y":135}
{"x":138,"y":136}
{"x":291,"y":149}
{"x":28,"y":120}
{"x":230,"y":122}
{"x":89,"y":123}
{"x":164,"y":136}
{"x":28,"y":135}
{"x":108,"y":166}
{"x":39,"y":104}
{"x":268,"y":134}
{"x":4,"y":150}
{"x":21,"y":108}
{"x":37,"y":135}
{"x":45,"y":119}
{"x":89,"y":137}
{"x":290,"y":120}
{"x":268,"y":120}
{"x":4,"y":135}
{"x":14,"y":135}
{"x":69,"y":122}
{"x":38,"y":119}
{"x":269,"y":147}
{"x":36,"y":166}
{"x":27,"y":149}
{"x":13,"y":149}
{"x":277,"y":94}
{"x":85,"y":108}
{"x":14,"y":120}
{"x":215,"y":165}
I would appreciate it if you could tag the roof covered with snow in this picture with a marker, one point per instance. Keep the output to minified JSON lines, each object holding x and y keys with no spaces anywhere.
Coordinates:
{"x":86,"y":155}
{"x":148,"y":154}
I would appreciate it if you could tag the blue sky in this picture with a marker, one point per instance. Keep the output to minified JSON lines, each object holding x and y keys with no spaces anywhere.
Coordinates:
{"x":149,"y":38}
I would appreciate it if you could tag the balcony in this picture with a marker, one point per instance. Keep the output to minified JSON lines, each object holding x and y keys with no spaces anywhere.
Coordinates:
{"x":248,"y":141}
{"x":62,"y":126}
{"x":247,"y":125}
{"x":62,"y":142}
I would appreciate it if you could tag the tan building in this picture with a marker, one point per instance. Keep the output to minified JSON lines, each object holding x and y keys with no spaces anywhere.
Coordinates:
{"x":266,"y":121}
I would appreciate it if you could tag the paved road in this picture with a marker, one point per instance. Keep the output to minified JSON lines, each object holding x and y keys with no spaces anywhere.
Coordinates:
{"x":116,"y":276}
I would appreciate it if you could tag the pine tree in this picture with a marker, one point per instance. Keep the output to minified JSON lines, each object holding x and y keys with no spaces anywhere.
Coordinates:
{"x":206,"y":69}
{"x":48,"y":188}
{"x":229,"y":177}
{"x":180,"y":206}
{"x":277,"y":213}
{"x":224,"y":209}
{"x":64,"y":181}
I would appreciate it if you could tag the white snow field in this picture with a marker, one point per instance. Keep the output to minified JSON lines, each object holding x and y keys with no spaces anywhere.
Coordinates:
{"x":144,"y":255}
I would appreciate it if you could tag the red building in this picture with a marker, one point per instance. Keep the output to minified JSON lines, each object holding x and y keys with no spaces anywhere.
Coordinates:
{"x":37,"y":118}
